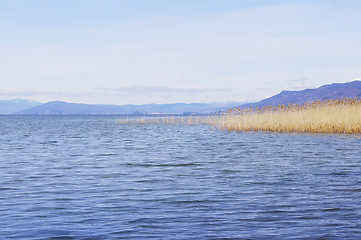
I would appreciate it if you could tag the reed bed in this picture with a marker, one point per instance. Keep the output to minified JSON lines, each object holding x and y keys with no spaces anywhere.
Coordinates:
{"x":174,"y":120}
{"x":331,"y":116}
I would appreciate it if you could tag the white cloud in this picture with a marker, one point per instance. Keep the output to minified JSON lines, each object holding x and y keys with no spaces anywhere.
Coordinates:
{"x":149,"y":90}
{"x":42,"y":95}
{"x":25,"y":92}
{"x":298,"y":83}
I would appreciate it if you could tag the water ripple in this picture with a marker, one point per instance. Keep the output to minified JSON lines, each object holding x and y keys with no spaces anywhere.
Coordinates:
{"x":83,"y":177}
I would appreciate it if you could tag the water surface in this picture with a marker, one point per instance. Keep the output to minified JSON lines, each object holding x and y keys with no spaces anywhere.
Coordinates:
{"x":84,"y":177}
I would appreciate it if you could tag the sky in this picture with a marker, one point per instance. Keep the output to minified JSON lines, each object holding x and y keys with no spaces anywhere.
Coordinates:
{"x":171,"y":51}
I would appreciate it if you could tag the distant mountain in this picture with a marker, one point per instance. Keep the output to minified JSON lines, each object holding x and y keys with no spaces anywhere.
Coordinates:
{"x":331,"y":91}
{"x":16,"y":105}
{"x":59,"y":107}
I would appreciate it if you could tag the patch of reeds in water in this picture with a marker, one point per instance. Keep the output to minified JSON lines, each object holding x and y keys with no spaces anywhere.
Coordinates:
{"x":330,"y":116}
{"x":174,"y":120}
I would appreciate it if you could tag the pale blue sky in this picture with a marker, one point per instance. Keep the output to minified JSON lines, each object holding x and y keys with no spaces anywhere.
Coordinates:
{"x":166,"y":51}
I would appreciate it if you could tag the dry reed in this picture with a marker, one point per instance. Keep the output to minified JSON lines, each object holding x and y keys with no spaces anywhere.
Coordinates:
{"x":174,"y":120}
{"x":330,"y":116}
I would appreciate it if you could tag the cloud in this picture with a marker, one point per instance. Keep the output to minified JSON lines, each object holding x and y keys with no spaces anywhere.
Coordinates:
{"x":24,"y":92}
{"x":301,"y":79}
{"x":299,"y":83}
{"x":33,"y":93}
{"x":149,"y":90}
{"x":134,"y":94}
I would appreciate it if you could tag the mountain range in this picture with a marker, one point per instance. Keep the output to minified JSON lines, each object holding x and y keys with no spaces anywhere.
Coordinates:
{"x":331,"y":91}
{"x":59,"y":107}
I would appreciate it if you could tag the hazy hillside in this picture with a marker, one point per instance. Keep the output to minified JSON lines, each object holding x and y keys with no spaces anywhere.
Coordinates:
{"x":331,"y":91}
{"x":13,"y":106}
{"x":59,"y":107}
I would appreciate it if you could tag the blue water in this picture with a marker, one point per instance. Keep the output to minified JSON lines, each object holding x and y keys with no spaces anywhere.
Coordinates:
{"x":84,"y":177}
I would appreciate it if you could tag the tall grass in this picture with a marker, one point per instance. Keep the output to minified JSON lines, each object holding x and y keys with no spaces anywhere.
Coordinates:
{"x":184,"y":120}
{"x":331,"y":116}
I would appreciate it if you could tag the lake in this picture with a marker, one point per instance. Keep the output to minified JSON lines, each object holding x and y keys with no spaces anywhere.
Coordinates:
{"x":86,"y":177}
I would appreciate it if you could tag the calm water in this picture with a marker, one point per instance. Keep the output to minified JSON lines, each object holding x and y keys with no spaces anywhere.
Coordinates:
{"x":85,"y":177}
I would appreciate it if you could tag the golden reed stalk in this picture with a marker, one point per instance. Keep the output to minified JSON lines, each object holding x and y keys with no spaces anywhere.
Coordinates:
{"x":330,"y":116}
{"x":145,"y":120}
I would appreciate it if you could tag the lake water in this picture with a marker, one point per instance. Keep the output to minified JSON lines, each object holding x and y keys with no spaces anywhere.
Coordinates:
{"x":84,"y":177}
